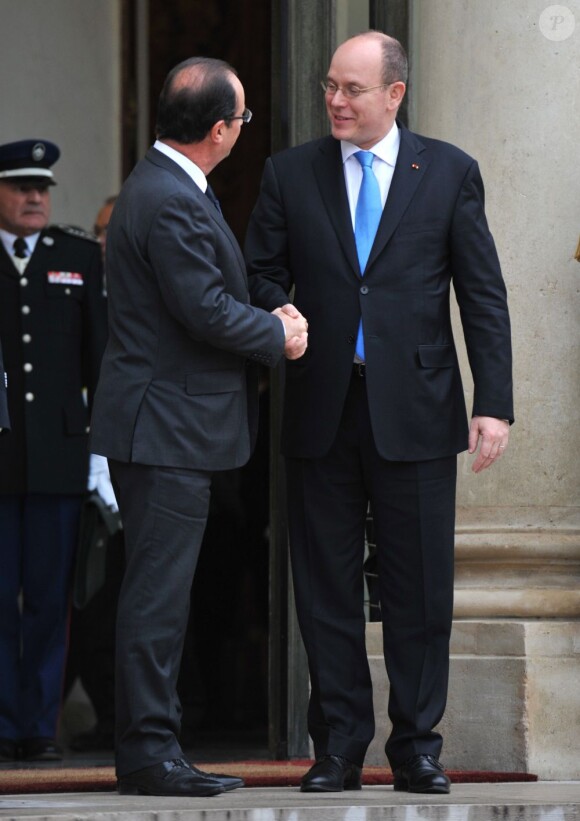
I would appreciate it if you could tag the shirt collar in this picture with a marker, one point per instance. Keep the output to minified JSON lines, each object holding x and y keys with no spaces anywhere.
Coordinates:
{"x":386,"y":149}
{"x":8,"y":241}
{"x":190,"y":168}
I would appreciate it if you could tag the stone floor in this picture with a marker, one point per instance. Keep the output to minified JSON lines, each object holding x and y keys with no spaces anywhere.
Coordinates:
{"x":543,"y":801}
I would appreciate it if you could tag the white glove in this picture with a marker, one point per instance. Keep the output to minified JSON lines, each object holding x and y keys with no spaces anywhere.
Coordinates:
{"x":100,"y":480}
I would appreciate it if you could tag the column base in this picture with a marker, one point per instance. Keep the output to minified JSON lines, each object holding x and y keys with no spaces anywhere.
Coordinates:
{"x":514,"y":699}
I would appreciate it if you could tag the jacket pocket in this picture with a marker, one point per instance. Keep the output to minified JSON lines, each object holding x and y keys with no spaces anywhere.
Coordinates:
{"x":436,"y":356}
{"x":206,"y":382}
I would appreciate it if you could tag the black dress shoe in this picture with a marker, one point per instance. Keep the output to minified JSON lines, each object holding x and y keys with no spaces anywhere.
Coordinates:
{"x":173,"y":777}
{"x":40,"y":749}
{"x":332,"y":773}
{"x":8,"y":749}
{"x":421,"y":773}
{"x":228,"y":782}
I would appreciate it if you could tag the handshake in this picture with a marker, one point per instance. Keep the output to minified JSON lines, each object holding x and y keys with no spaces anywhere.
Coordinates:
{"x":295,"y":328}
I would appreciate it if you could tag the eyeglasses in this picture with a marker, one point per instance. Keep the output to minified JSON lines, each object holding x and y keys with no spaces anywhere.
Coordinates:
{"x":349,"y":91}
{"x":245,"y":116}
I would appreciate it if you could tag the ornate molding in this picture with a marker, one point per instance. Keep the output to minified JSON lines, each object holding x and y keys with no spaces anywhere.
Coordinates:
{"x":517,"y":563}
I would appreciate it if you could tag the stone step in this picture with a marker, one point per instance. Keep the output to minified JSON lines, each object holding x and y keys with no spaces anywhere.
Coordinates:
{"x":541,"y":801}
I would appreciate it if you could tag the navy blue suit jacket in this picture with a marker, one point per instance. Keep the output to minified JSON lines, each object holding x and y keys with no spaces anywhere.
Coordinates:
{"x":433,"y":233}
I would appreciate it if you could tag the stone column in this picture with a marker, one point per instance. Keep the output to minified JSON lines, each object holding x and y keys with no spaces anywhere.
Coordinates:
{"x":501,"y":81}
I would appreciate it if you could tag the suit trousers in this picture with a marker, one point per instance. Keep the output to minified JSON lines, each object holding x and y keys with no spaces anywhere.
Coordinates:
{"x":413,"y":507}
{"x":38,"y":539}
{"x":164,"y":513}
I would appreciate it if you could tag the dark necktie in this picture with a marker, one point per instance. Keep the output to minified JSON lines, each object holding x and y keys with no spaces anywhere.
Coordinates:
{"x":20,"y":248}
{"x":209,"y":192}
{"x":368,"y":213}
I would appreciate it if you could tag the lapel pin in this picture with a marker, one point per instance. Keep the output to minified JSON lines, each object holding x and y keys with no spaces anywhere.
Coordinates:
{"x":414,"y":166}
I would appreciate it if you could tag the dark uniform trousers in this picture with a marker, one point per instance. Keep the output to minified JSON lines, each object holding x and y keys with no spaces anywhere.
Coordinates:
{"x":53,"y":326}
{"x":413,"y":506}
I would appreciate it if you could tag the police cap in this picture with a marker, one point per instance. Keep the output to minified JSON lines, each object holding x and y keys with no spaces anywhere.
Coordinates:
{"x":28,"y":159}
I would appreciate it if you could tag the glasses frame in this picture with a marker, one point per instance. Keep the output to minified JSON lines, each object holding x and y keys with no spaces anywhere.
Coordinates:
{"x":245,"y":116}
{"x":348,"y":94}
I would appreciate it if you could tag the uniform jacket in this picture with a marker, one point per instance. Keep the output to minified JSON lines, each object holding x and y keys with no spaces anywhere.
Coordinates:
{"x":53,"y":331}
{"x":4,"y":417}
{"x":433,"y":232}
{"x":176,"y":389}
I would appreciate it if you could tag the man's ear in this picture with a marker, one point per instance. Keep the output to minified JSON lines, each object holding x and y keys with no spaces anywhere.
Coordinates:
{"x":217,"y":131}
{"x":396,"y":92}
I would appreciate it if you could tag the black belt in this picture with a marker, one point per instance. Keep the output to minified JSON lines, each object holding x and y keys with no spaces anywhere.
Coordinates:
{"x":359,"y":369}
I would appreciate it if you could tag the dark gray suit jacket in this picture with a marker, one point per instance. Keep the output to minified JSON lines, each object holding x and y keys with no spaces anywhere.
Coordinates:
{"x":433,"y":232}
{"x":178,"y":384}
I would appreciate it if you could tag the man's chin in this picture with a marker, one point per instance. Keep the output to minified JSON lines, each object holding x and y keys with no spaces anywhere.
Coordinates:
{"x":33,"y":226}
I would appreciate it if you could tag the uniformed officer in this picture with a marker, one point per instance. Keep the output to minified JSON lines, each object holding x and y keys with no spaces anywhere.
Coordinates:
{"x":53,"y":329}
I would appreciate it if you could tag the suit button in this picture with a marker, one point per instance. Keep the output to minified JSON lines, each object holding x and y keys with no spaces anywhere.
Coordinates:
{"x":350,"y":340}
{"x":29,"y":397}
{"x":25,"y":309}
{"x":24,"y":282}
{"x":27,"y":367}
{"x":364,"y":289}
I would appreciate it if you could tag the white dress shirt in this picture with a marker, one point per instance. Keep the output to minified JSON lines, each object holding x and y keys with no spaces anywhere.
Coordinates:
{"x":8,"y":243}
{"x":385,"y":151}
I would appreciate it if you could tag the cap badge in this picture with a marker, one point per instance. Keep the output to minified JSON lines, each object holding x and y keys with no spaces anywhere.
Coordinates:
{"x":38,"y":152}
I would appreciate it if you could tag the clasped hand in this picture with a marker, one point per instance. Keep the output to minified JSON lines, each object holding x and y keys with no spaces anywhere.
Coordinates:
{"x":296,"y":328}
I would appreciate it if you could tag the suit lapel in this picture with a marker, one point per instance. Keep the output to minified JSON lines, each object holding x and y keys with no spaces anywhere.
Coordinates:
{"x":409,"y":172}
{"x":329,"y":175}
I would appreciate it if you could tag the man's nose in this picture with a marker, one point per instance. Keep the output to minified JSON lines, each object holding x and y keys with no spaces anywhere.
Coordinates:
{"x":339,"y":98}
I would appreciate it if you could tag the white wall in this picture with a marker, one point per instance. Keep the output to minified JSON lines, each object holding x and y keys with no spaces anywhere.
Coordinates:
{"x":61,"y":73}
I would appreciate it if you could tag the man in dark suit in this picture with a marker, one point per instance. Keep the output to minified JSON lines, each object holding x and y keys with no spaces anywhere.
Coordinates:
{"x":4,"y":418}
{"x":379,"y":422}
{"x":53,"y":326}
{"x":176,"y":401}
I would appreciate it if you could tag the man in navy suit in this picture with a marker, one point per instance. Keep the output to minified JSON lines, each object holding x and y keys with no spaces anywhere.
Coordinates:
{"x":176,"y":401}
{"x":381,"y":422}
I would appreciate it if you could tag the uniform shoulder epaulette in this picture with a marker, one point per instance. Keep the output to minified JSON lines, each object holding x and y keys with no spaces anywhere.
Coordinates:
{"x":74,"y":231}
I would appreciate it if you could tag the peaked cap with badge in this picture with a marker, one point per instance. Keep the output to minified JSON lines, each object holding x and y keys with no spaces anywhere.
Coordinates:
{"x":29,"y":160}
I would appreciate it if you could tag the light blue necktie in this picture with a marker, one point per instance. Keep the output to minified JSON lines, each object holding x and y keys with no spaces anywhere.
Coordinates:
{"x":366,"y":221}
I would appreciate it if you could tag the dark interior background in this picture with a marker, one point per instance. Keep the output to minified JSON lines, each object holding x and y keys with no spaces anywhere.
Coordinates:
{"x":224,"y":678}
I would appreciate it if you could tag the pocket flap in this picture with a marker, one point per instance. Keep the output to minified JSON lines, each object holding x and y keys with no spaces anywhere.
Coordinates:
{"x":213,"y":382}
{"x":436,"y":356}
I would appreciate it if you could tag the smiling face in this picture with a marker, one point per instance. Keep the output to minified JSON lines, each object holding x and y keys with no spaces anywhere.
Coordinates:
{"x":24,"y":207}
{"x":366,"y":119}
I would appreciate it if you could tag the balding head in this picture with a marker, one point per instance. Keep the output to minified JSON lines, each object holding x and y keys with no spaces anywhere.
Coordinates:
{"x":196,"y":94}
{"x":394,"y":58}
